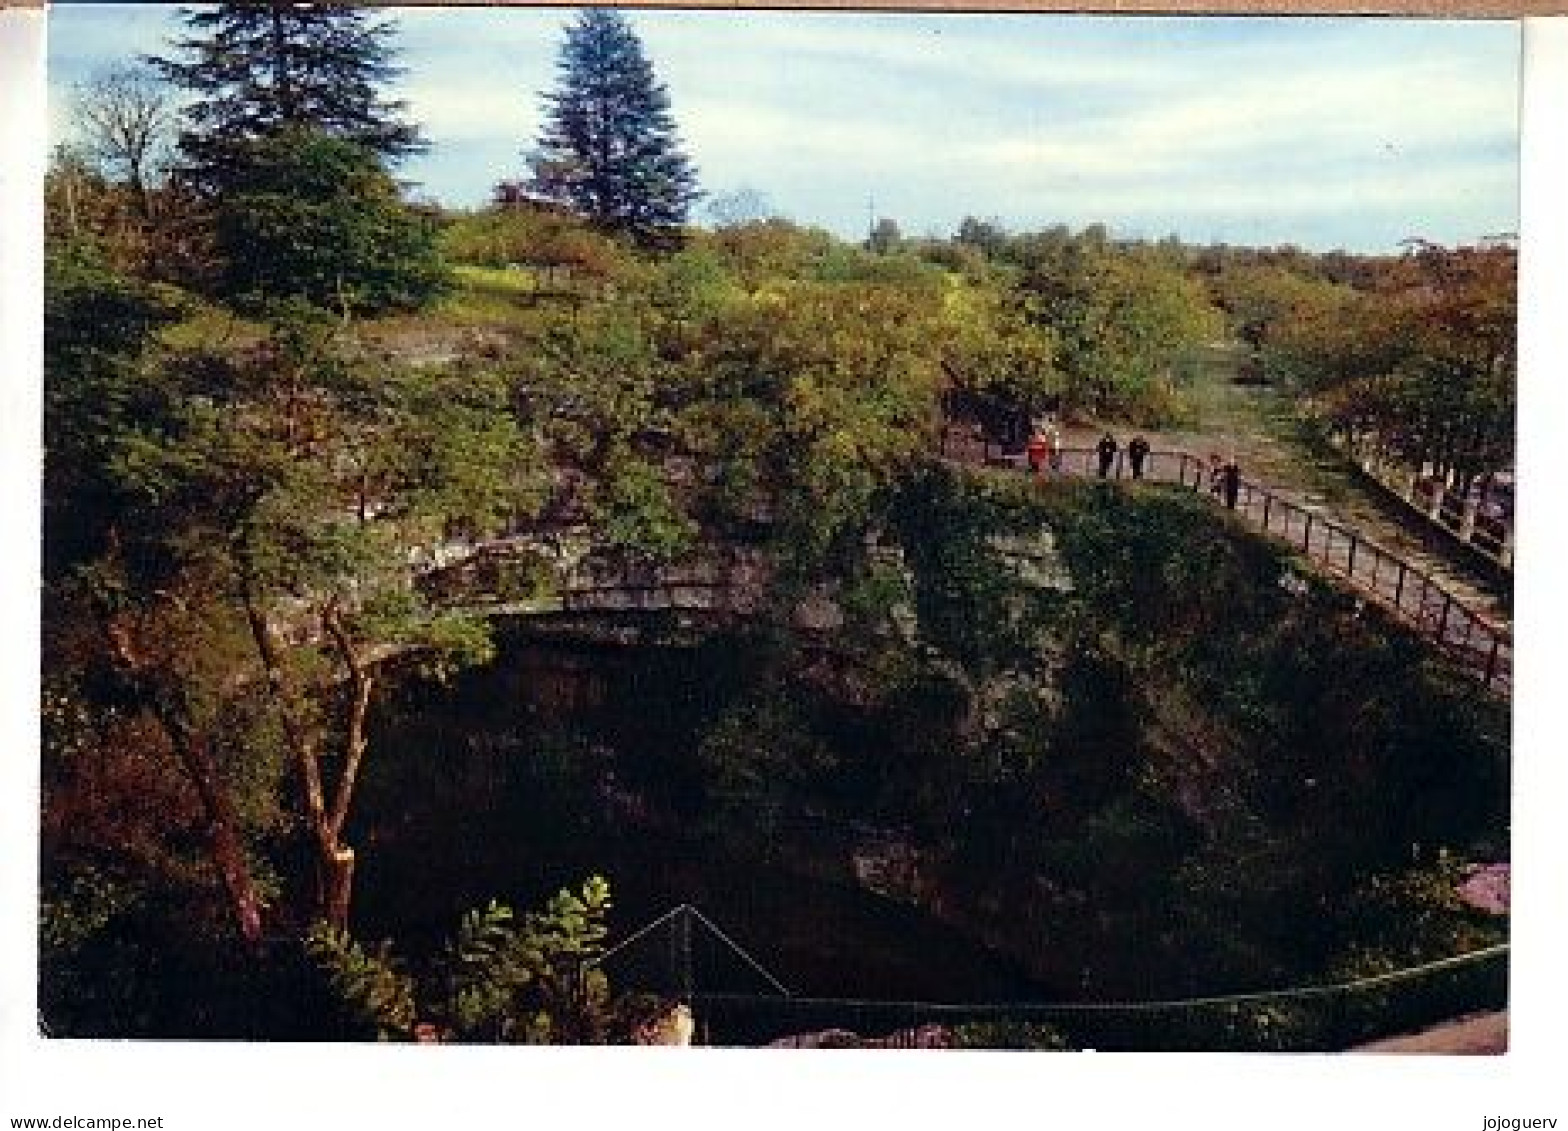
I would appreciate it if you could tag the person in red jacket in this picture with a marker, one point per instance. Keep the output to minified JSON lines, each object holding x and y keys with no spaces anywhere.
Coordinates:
{"x":1036,"y":450}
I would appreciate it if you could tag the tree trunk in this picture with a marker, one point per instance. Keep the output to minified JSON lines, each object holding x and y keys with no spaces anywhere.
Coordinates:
{"x":338,"y":859}
{"x":335,"y":880}
{"x":332,"y":879}
{"x":192,"y":750}
{"x":223,"y":824}
{"x":228,"y":854}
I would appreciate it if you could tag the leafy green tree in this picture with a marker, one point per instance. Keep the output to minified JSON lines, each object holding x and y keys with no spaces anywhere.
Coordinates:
{"x":1259,"y":299}
{"x":996,"y":352}
{"x":310,"y":216}
{"x":499,"y":980}
{"x":608,"y":147}
{"x":373,"y":990}
{"x":99,"y":331}
{"x":555,"y":247}
{"x":1125,"y":322}
{"x":100,"y":394}
{"x":1422,"y":363}
{"x":760,"y":251}
{"x":636,"y":513}
{"x":301,"y":524}
{"x":987,"y":235}
{"x":814,"y":398}
{"x":122,"y":615}
{"x":254,"y":69}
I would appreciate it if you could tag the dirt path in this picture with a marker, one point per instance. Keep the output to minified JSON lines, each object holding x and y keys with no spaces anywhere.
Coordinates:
{"x":1256,"y":425}
{"x":1482,"y":1034}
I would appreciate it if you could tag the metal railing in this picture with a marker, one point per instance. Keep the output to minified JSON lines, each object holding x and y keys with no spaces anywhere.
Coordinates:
{"x":1479,"y":645}
{"x":1467,"y":517}
{"x":1317,"y":1018}
{"x":1413,"y":594}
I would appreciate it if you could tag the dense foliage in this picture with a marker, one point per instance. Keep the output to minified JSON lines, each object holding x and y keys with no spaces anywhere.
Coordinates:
{"x":314,"y":218}
{"x":280,"y":417}
{"x":1126,"y":321}
{"x":255,"y":69}
{"x":499,"y":979}
{"x":1424,"y":362}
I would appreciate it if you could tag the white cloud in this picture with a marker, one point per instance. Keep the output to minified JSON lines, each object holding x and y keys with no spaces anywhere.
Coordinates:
{"x":470,"y":109}
{"x":1249,"y":122}
{"x":1316,"y":116}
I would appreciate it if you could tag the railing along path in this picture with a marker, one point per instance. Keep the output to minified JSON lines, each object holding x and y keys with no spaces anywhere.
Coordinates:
{"x":734,"y":999}
{"x":1479,"y":645}
{"x":1476,"y":642}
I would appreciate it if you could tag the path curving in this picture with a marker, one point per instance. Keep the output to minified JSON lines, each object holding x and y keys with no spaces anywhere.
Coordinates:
{"x":1478,"y":640}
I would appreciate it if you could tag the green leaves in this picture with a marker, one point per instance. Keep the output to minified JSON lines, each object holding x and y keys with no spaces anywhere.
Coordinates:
{"x":499,"y":979}
{"x":529,"y":982}
{"x":317,"y":218}
{"x":635,"y":512}
{"x":1426,"y":359}
{"x":99,"y":329}
{"x":1125,"y":320}
{"x":374,"y":991}
{"x":255,"y":70}
{"x":71,"y":915}
{"x":995,"y":348}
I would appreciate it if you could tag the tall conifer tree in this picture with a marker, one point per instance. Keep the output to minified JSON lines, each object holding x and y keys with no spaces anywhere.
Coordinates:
{"x":608,"y":148}
{"x":257,"y":68}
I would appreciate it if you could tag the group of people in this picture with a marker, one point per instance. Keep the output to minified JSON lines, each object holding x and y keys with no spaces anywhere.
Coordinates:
{"x":1137,"y":453}
{"x":1044,"y":450}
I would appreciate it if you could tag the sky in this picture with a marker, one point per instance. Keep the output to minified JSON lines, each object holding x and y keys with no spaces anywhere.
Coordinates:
{"x":1353,"y":133}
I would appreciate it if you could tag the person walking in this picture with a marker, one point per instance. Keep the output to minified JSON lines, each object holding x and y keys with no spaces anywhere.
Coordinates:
{"x":1053,"y":437}
{"x":1230,"y":480}
{"x":1137,"y":452}
{"x":1107,"y":448}
{"x":1036,"y":450}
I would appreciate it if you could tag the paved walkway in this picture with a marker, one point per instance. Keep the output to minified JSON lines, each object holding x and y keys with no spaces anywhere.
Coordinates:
{"x":1326,"y":484}
{"x":1472,"y":636}
{"x":1257,"y":425}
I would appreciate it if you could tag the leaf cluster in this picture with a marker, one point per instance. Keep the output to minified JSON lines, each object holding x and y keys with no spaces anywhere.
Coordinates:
{"x":500,"y":979}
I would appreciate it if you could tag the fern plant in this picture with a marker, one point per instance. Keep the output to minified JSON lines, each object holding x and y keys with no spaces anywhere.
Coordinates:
{"x":374,"y":991}
{"x":499,"y":979}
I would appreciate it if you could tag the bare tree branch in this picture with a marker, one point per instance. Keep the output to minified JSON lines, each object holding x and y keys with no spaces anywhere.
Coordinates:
{"x":126,"y":116}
